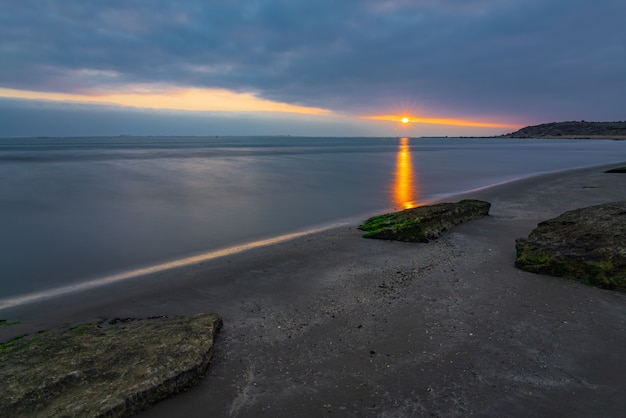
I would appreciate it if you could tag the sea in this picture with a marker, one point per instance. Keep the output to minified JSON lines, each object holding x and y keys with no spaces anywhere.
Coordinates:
{"x":81,"y":212}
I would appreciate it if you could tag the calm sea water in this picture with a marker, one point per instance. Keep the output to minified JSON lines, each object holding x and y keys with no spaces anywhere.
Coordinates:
{"x":75,"y":209}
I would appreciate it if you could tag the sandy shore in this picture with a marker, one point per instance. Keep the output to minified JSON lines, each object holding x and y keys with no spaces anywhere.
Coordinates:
{"x":334,"y":324}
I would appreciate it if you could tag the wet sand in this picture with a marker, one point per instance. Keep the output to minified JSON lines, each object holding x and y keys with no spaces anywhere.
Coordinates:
{"x":334,"y":324}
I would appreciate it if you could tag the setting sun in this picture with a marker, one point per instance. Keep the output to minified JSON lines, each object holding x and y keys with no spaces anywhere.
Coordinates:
{"x":439,"y":121}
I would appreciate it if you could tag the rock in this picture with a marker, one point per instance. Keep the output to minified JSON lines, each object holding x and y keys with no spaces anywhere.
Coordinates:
{"x":423,"y":223}
{"x":112,"y":369}
{"x":617,"y":170}
{"x":588,"y":245}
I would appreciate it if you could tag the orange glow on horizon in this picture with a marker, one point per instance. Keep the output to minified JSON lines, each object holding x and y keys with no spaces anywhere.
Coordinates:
{"x":404,"y":183}
{"x":439,"y":121}
{"x":172,"y":99}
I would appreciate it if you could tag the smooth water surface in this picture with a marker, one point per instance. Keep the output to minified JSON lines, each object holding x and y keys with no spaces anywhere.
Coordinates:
{"x":75,"y":209}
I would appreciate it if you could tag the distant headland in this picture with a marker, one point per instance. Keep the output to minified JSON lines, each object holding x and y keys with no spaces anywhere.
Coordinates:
{"x":573,"y":130}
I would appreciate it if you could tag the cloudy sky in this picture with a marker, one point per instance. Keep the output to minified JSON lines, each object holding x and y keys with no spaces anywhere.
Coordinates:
{"x":323,"y":67}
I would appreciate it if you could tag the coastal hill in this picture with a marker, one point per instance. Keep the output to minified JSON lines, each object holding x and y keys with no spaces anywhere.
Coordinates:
{"x":582,"y":129}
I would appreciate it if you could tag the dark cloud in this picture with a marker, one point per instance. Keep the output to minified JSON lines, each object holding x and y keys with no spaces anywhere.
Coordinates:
{"x":525,"y":60}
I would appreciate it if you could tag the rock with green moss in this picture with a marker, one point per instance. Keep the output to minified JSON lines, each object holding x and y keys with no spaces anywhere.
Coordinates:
{"x":423,"y":223}
{"x":109,"y":368}
{"x":588,"y":245}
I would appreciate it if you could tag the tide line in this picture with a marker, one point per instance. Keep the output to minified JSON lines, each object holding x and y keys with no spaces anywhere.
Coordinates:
{"x":131,"y":274}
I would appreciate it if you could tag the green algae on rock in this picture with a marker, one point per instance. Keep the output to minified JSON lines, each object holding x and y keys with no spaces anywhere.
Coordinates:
{"x":112,"y":369}
{"x":587,"y":245}
{"x":423,"y":223}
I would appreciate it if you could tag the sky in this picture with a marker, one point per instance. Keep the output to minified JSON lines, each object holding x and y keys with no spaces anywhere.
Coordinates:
{"x":314,"y":68}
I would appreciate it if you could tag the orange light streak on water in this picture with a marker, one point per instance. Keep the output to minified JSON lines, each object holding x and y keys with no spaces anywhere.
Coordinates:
{"x":404,"y":193}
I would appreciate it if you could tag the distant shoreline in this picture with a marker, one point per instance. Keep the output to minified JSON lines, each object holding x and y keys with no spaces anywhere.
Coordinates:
{"x":572,"y":130}
{"x":579,"y":137}
{"x":582,"y":137}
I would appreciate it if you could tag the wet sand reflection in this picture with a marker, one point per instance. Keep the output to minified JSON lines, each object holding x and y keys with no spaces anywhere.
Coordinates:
{"x":404,"y":188}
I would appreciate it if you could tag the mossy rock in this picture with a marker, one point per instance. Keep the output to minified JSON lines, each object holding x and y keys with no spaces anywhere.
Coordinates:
{"x":423,"y":223}
{"x":587,"y":245}
{"x":109,"y":368}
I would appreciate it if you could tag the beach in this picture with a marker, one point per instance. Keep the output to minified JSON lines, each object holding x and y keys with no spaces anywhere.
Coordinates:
{"x":334,"y":324}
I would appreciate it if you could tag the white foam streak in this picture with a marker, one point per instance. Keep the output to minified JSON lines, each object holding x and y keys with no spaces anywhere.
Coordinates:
{"x":187,"y":261}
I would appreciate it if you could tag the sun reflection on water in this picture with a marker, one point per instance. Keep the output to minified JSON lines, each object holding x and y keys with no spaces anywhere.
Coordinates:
{"x":404,"y":189}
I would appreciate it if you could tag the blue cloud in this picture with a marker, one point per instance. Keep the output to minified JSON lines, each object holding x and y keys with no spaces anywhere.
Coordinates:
{"x":527,"y":59}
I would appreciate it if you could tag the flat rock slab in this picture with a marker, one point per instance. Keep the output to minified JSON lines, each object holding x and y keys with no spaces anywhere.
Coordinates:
{"x":423,"y":223}
{"x":109,"y":368}
{"x":588,"y":245}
